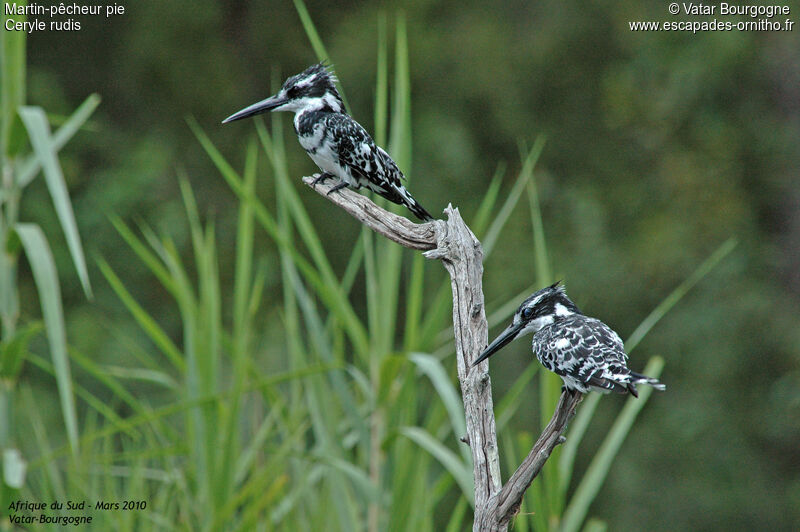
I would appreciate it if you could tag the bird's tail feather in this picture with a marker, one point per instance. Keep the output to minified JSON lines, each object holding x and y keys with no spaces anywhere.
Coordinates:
{"x":638,"y":378}
{"x":402,"y":197}
{"x":419,"y":211}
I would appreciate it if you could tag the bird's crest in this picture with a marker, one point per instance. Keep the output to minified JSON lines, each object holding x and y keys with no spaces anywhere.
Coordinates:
{"x":319,"y":74}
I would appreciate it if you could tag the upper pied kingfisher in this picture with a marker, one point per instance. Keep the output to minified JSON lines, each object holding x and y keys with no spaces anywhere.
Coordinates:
{"x":583,"y":351}
{"x":334,"y":141}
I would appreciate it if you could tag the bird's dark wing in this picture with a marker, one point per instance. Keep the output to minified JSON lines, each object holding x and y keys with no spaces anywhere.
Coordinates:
{"x":358,"y":152}
{"x":389,"y":163}
{"x":586,"y":350}
{"x":369,"y":165}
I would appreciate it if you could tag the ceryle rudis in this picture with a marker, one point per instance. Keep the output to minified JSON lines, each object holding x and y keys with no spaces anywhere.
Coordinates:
{"x":583,"y":351}
{"x":334,"y":141}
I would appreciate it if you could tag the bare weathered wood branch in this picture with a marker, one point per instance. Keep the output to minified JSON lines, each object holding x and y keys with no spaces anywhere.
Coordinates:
{"x":452,"y":242}
{"x":462,"y":256}
{"x":394,"y":227}
{"x":506,"y":505}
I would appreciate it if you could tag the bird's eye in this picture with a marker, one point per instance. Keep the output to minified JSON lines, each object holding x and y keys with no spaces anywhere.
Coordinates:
{"x":527,"y":312}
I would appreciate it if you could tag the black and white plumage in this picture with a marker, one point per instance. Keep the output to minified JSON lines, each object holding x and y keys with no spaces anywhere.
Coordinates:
{"x":338,"y":145}
{"x":585,"y":352}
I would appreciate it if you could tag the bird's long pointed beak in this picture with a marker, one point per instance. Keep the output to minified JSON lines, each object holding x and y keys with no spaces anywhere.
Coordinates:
{"x":257,"y":108}
{"x":505,"y":338}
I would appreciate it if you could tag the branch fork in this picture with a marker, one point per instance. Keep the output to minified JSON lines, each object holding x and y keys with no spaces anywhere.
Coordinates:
{"x":452,"y":242}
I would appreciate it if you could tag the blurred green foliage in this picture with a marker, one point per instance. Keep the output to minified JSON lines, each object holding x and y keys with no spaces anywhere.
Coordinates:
{"x":23,"y":127}
{"x":660,"y":147}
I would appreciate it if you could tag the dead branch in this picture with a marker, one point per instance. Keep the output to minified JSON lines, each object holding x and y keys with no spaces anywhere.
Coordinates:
{"x":452,"y":242}
{"x":506,"y":505}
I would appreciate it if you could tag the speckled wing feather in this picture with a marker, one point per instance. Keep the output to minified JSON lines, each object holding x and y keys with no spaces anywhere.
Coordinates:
{"x":369,"y":165}
{"x":586,"y":353}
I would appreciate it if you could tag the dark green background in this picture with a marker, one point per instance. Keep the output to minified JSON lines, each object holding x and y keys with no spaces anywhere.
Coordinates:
{"x":660,"y":146}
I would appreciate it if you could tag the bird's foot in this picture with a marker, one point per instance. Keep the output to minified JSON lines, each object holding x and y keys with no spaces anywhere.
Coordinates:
{"x":568,"y":391}
{"x":320,"y":178}
{"x":340,"y":186}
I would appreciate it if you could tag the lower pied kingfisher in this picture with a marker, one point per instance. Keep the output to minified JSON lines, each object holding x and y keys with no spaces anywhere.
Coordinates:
{"x":338,"y":145}
{"x":583,"y":351}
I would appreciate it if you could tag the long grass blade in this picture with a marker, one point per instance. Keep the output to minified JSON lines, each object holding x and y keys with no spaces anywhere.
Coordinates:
{"x":13,"y":351}
{"x":400,"y":143}
{"x":244,"y":255}
{"x":274,"y":148}
{"x":45,"y":275}
{"x":456,"y":522}
{"x":544,"y":274}
{"x":230,"y":436}
{"x":53,"y":478}
{"x":414,"y":300}
{"x":381,"y":84}
{"x":179,"y":407}
{"x":512,"y":458}
{"x":91,"y":399}
{"x":360,"y":479}
{"x":511,"y":401}
{"x":311,"y":30}
{"x":400,"y":135}
{"x":328,"y":289}
{"x":32,"y":165}
{"x":486,"y":208}
{"x":148,"y":324}
{"x":577,"y":429}
{"x":108,"y":375}
{"x":145,"y":255}
{"x":672,"y":299}
{"x":493,"y":233}
{"x":39,"y":132}
{"x":12,"y":89}
{"x":433,"y":369}
{"x":315,"y":40}
{"x":447,"y":458}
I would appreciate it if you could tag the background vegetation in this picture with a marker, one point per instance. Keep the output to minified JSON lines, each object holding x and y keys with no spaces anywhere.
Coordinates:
{"x":206,"y":327}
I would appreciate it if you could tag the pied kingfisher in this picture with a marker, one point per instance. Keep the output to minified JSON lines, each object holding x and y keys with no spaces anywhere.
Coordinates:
{"x":339,"y":145}
{"x":583,"y":351}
